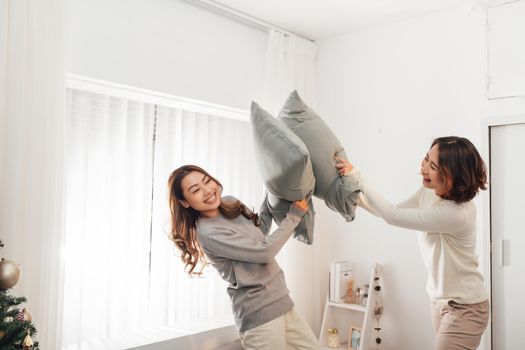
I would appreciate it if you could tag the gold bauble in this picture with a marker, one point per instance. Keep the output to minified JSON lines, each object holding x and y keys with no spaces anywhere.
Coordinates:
{"x":9,"y":274}
{"x":2,"y":333}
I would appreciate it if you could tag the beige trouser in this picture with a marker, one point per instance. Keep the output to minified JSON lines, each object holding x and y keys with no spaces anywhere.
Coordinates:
{"x":289,"y":331}
{"x":459,"y":326}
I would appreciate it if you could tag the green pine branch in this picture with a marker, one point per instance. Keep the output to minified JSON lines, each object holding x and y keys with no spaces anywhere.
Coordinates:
{"x":14,"y":330}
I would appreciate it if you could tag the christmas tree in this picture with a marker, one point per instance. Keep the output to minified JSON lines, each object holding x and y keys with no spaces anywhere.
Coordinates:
{"x":16,"y":327}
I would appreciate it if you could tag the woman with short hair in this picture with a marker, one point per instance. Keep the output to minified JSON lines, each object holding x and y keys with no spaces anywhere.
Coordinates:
{"x":453,"y":173}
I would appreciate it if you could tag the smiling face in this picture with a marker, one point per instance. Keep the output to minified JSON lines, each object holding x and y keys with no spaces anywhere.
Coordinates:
{"x":432,"y":175}
{"x":201,"y":193}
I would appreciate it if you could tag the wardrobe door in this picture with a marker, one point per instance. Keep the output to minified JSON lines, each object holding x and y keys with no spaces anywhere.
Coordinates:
{"x":507,"y":193}
{"x":506,"y":52}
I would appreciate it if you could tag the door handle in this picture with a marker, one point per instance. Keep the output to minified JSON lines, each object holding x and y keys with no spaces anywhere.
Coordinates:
{"x":504,"y":252}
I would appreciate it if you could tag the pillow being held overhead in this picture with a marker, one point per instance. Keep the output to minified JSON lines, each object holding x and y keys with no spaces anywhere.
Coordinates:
{"x":282,"y":156}
{"x":285,"y":168}
{"x":339,"y":193}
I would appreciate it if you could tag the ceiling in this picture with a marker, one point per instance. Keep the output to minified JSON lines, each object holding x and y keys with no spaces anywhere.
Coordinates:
{"x":319,"y":19}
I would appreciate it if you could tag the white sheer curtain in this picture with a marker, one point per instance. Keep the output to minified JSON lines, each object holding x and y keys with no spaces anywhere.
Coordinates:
{"x":108,"y":206}
{"x":32,"y":138}
{"x":290,"y":65}
{"x":125,"y":284}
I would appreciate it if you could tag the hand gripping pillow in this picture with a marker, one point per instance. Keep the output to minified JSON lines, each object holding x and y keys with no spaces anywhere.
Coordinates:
{"x":282,"y":156}
{"x":339,"y":193}
{"x":286,"y":169}
{"x":304,"y":231}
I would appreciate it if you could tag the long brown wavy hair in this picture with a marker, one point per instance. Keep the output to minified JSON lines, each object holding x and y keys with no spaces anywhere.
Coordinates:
{"x":183,"y":231}
{"x":462,"y":168}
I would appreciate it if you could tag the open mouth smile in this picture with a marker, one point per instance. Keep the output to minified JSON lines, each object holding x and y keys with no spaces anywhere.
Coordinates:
{"x":211,"y":199}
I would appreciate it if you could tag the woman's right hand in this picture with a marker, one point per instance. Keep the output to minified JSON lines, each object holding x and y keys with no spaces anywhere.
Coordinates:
{"x":343,"y":166}
{"x":301,"y":205}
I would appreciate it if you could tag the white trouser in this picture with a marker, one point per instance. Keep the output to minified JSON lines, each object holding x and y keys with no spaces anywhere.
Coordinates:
{"x":289,"y":331}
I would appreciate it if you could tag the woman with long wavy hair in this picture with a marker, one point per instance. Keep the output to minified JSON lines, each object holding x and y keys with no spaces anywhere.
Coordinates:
{"x":222,"y":230}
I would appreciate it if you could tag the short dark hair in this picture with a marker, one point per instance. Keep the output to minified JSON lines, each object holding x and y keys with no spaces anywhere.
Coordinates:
{"x":462,"y":168}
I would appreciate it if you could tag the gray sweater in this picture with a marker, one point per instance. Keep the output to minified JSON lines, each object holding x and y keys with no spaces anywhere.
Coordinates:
{"x":244,"y":256}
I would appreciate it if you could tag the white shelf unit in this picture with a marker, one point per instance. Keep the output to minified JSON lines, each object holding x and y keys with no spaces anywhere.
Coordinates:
{"x":342,"y":316}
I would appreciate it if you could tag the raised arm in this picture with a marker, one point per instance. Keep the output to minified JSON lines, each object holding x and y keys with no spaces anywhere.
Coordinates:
{"x":440,"y":217}
{"x":239,"y":246}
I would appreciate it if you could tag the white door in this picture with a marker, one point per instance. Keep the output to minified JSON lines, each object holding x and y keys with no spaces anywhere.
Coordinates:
{"x":507,"y":201}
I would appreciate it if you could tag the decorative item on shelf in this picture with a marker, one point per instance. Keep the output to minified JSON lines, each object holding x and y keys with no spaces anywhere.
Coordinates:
{"x":358,"y":295}
{"x":341,"y":272}
{"x":350,"y":294}
{"x":377,"y":312}
{"x":354,"y":337}
{"x":378,"y":338}
{"x":364,"y":316}
{"x":333,"y":340}
{"x":365,"y":289}
{"x":378,"y":309}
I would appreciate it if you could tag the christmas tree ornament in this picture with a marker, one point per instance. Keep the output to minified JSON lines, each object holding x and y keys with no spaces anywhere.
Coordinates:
{"x":9,"y":274}
{"x":24,"y":315}
{"x":27,"y":344}
{"x":16,"y":324}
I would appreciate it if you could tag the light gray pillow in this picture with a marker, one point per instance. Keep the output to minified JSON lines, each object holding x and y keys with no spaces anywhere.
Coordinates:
{"x":339,"y":194}
{"x":282,"y":157}
{"x":304,"y":231}
{"x":286,"y":169}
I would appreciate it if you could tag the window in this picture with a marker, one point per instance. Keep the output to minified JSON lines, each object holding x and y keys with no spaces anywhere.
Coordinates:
{"x":125,"y":284}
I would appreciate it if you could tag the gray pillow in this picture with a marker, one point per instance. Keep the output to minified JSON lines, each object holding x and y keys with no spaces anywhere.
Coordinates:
{"x":339,"y":194}
{"x":304,"y":231}
{"x":282,"y":157}
{"x":286,"y":169}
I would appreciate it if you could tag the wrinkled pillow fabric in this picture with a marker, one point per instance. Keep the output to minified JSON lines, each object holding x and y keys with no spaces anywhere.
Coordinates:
{"x":286,"y":169}
{"x":339,"y":194}
{"x":304,"y":231}
{"x":282,"y":157}
{"x":342,"y":196}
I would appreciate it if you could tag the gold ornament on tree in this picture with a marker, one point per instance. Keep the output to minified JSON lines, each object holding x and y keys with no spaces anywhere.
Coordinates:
{"x":16,"y":323}
{"x":9,"y":274}
{"x":27,"y":344}
{"x":24,"y":315}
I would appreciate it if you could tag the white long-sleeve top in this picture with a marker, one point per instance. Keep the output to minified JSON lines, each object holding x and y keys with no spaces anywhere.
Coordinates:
{"x":447,"y":241}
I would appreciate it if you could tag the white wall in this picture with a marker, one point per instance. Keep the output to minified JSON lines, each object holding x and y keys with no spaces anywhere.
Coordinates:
{"x":166,"y":46}
{"x":388,"y":91}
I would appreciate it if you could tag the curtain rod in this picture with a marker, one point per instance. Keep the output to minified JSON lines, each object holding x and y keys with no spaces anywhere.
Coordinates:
{"x":237,"y":16}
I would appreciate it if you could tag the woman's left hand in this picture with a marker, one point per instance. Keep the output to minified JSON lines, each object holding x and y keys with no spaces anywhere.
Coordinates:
{"x":343,"y":166}
{"x":301,"y":204}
